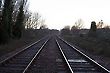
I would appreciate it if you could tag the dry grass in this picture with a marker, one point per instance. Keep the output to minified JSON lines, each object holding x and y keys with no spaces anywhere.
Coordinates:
{"x":96,"y":49}
{"x":93,"y":45}
{"x":15,"y":44}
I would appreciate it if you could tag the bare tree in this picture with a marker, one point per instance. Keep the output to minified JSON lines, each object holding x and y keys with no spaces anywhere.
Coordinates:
{"x":33,"y":20}
{"x":28,"y":20}
{"x":42,"y":24}
{"x":78,"y":24}
{"x":100,"y":24}
{"x":106,"y":27}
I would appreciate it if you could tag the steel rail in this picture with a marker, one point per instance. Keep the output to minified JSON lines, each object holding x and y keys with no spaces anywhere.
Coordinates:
{"x":87,"y":57}
{"x":64,"y":57}
{"x":20,"y":51}
{"x":27,"y":67}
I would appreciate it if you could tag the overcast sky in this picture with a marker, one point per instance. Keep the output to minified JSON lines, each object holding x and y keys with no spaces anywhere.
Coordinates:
{"x":59,"y":13}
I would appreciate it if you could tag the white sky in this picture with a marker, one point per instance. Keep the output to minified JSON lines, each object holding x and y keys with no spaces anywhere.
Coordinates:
{"x":59,"y":13}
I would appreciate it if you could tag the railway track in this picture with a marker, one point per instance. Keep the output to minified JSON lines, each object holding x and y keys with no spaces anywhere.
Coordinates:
{"x":43,"y":56}
{"x":78,"y":61}
{"x":21,"y":60}
{"x":49,"y":60}
{"x":50,"y":55}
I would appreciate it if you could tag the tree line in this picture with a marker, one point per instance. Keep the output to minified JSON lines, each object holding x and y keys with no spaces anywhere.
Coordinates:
{"x":79,"y":25}
{"x":11,"y":19}
{"x":15,"y":18}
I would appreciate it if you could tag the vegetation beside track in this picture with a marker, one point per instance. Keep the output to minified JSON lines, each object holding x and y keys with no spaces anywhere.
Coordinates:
{"x":92,"y":45}
{"x":29,"y":37}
